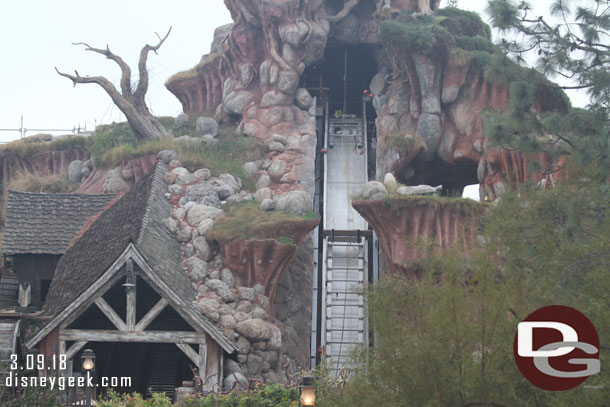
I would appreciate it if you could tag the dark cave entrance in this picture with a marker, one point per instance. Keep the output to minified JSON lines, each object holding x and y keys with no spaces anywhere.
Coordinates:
{"x":453,"y":178}
{"x":341,"y":77}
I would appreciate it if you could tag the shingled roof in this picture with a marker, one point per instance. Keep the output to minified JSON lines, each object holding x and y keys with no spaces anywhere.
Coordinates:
{"x":135,"y":218}
{"x":46,"y":223}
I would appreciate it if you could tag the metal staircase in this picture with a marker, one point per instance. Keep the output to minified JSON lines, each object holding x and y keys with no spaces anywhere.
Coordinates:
{"x":345,"y":244}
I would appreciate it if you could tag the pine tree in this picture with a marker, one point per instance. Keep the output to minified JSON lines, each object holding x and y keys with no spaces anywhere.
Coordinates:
{"x":571,"y":44}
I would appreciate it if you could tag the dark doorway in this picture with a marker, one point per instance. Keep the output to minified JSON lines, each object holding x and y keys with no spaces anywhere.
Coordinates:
{"x":341,"y":77}
{"x":151,"y":367}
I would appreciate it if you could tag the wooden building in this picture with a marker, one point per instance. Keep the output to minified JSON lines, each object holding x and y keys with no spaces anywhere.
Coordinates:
{"x":38,"y":229}
{"x":120,"y":291}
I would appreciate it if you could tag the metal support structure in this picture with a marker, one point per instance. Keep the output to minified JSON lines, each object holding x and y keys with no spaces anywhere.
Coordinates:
{"x":345,"y":239}
{"x":23,"y":130}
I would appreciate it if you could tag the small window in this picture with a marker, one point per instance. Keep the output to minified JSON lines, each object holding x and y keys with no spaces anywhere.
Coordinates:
{"x":44,"y":289}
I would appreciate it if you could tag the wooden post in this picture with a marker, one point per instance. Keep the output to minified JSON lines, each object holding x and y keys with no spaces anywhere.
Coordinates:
{"x":203,"y":360}
{"x":131,"y":299}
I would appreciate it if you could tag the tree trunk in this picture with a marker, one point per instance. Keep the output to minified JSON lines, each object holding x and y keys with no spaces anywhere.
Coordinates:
{"x":131,"y":103}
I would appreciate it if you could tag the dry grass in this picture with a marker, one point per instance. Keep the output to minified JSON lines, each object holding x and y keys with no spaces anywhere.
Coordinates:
{"x":29,"y":147}
{"x":193,"y":72}
{"x":246,"y":220}
{"x":52,"y":184}
{"x":228,"y":155}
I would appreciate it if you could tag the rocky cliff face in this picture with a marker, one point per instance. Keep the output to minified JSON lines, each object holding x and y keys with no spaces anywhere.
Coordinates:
{"x":429,"y":105}
{"x":418,"y":227}
{"x":43,"y":163}
{"x":428,"y":119}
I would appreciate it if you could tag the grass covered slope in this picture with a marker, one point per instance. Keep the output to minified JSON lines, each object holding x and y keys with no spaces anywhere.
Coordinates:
{"x":245,"y":220}
{"x":115,"y":144}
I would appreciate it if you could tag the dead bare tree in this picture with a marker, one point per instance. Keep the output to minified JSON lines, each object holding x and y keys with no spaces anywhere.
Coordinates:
{"x":129,"y":100}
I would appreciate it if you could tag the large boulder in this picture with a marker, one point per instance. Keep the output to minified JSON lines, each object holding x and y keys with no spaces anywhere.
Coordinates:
{"x":75,"y":171}
{"x":203,"y":193}
{"x":254,"y":329}
{"x":205,"y":126}
{"x":294,"y":202}
{"x":372,"y":188}
{"x":199,"y":212}
{"x":114,"y":182}
{"x":181,"y":124}
{"x":221,"y":289}
{"x":303,"y":99}
{"x":236,"y":102}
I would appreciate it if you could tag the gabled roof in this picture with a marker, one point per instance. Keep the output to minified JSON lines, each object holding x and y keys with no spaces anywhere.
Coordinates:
{"x":45,"y":223}
{"x":134,"y":221}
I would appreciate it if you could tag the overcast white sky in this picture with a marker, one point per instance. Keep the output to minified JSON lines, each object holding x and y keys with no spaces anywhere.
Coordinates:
{"x":36,"y":36}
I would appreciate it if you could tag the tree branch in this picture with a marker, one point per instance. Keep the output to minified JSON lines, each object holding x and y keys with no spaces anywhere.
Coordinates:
{"x":125,"y":69}
{"x":346,"y":9}
{"x":100,"y":80}
{"x":143,"y":82}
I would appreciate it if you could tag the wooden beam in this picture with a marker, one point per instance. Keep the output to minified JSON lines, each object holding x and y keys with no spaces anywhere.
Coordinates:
{"x":203,"y":358}
{"x":109,"y":312}
{"x":131,"y":309}
{"x":188,"y":351}
{"x":99,"y":335}
{"x":73,"y":350}
{"x":192,"y":316}
{"x":73,"y":310}
{"x":151,"y":315}
{"x":203,"y":361}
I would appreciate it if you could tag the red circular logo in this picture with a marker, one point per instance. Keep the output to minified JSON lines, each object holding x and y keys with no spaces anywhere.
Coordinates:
{"x":556,"y":348}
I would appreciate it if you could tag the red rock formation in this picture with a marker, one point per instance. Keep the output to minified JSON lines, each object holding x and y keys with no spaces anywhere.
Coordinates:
{"x":266,"y":261}
{"x":44,"y":163}
{"x":403,"y":233}
{"x":131,"y":172}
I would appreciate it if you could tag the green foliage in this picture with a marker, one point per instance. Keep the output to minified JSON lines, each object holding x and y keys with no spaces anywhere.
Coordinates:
{"x":245,"y":220}
{"x":450,"y":28}
{"x":109,"y":136}
{"x":31,"y":397}
{"x":115,"y":399}
{"x":273,"y":395}
{"x":446,"y":339}
{"x":116,"y":144}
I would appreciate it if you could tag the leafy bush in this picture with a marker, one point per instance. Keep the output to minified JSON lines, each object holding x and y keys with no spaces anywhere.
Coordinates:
{"x":273,"y":395}
{"x":115,"y":399}
{"x":31,"y":397}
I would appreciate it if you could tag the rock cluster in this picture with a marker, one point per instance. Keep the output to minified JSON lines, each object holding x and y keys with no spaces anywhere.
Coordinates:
{"x":78,"y":170}
{"x":242,"y":312}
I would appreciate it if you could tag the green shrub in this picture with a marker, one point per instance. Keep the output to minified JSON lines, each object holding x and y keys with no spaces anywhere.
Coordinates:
{"x":32,"y":397}
{"x":273,"y":395}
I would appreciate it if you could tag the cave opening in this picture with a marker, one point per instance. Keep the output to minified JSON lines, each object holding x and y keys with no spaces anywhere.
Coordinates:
{"x":454,"y":178}
{"x":341,"y":78}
